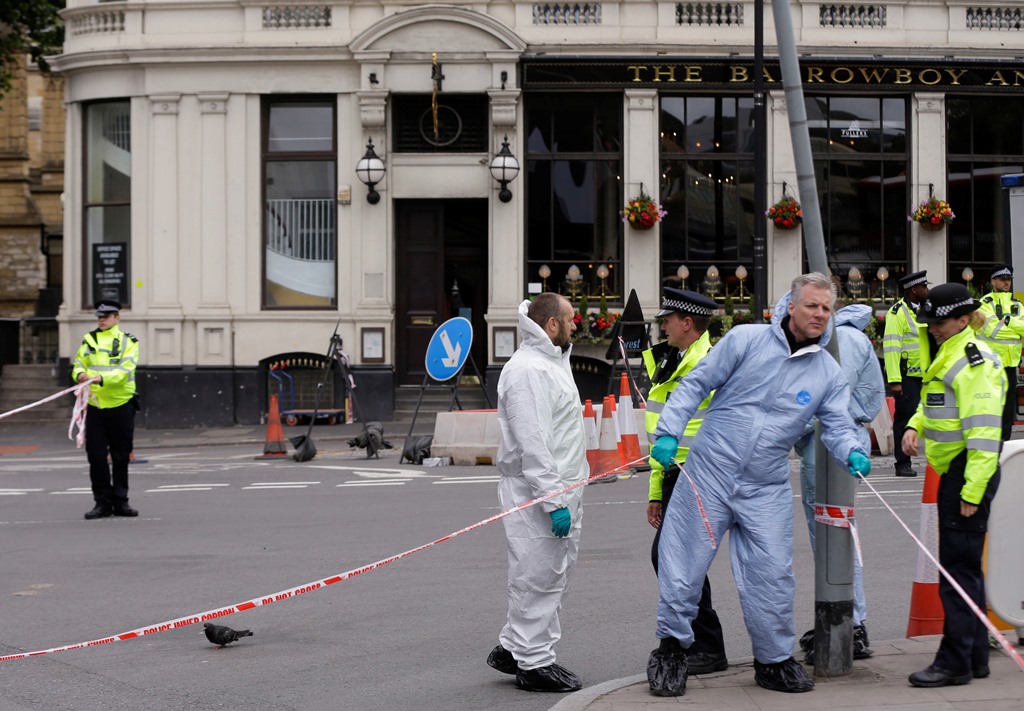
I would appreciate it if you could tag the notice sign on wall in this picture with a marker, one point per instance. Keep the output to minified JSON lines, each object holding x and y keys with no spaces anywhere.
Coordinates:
{"x":110,"y":272}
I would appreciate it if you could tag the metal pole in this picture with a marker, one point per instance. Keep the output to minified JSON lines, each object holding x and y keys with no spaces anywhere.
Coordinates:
{"x":833,"y":556}
{"x":760,"y":170}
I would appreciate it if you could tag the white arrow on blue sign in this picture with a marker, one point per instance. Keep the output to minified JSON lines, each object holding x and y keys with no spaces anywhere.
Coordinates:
{"x":449,"y":348}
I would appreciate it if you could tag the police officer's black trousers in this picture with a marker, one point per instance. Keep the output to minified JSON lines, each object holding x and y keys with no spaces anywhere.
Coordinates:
{"x":906,"y":406}
{"x":1010,"y":405}
{"x":964,"y":645}
{"x":707,"y":629}
{"x":109,"y":430}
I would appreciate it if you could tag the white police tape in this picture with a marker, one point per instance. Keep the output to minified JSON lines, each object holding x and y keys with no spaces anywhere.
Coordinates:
{"x":996,"y":634}
{"x":302,"y":589}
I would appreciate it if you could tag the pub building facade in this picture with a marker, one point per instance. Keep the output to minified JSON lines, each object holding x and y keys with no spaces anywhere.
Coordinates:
{"x":248,"y":175}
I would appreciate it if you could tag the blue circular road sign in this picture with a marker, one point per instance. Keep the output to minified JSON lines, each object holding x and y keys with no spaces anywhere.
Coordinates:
{"x":449,"y":348}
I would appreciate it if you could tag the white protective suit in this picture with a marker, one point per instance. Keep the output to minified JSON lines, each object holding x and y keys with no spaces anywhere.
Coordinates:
{"x":542,"y":449}
{"x":765,"y":396}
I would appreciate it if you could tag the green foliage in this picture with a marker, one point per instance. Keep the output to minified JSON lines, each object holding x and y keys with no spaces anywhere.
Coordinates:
{"x":28,"y":27}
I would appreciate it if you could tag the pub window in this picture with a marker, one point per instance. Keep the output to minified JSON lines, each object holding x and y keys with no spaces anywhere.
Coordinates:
{"x":107,"y":203}
{"x":462,"y":123}
{"x":859,"y":146}
{"x":707,"y":188}
{"x":300,"y":210}
{"x":574,"y":193}
{"x":984,"y":140}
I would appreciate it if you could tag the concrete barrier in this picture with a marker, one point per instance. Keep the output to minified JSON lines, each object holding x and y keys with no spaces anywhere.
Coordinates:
{"x":468,"y":437}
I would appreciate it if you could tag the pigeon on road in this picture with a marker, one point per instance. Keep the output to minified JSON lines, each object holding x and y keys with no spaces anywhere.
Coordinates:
{"x":219,"y":634}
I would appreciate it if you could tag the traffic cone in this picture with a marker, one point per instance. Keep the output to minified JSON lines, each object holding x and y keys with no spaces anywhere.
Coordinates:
{"x":275,"y":445}
{"x":627,"y":423}
{"x":610,"y":399}
{"x":607,"y":448}
{"x":590,"y":434}
{"x":926,"y":613}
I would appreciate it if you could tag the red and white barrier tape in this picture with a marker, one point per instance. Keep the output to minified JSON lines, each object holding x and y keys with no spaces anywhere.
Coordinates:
{"x":956,"y":586}
{"x":700,"y":506}
{"x":840,"y":517}
{"x":79,"y":412}
{"x":79,"y":387}
{"x":308,"y":587}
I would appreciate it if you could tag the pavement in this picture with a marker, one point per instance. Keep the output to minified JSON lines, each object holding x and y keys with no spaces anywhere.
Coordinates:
{"x":876,"y":683}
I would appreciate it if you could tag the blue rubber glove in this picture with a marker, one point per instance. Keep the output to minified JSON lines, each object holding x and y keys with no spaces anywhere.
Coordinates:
{"x":859,"y":462}
{"x":664,"y":450}
{"x":560,"y":522}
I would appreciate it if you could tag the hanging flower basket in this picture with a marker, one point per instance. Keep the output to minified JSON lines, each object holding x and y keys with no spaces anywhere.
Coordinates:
{"x":642,"y":212}
{"x":932,"y":214}
{"x":786,"y":214}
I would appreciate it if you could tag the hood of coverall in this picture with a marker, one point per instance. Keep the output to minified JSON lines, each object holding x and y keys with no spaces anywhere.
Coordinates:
{"x":782,"y":310}
{"x":856,"y":315}
{"x":533,"y":337}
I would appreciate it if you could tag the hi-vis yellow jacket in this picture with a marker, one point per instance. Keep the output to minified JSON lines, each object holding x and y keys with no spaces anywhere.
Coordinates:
{"x":1004,"y":326}
{"x":656,"y":360}
{"x":961,"y":408}
{"x":113,"y":355}
{"x":900,"y":343}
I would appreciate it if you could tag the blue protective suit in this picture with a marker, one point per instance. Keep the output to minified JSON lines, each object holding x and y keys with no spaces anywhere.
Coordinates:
{"x":867,"y":395}
{"x":542,"y":449}
{"x":765,"y":397}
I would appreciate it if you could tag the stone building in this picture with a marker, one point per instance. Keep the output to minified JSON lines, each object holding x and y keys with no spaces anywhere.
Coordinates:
{"x":212,"y":148}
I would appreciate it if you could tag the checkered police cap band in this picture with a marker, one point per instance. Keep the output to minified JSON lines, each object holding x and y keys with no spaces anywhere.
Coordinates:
{"x":1004,"y":272}
{"x":687,"y":306}
{"x":915,"y":282}
{"x":946,"y":309}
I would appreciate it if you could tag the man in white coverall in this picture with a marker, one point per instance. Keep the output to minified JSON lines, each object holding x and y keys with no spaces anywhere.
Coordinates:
{"x":770,"y":381}
{"x":542,"y":450}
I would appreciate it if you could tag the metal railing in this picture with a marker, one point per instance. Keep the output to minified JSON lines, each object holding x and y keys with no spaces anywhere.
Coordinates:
{"x":301,"y":229}
{"x":29,"y":340}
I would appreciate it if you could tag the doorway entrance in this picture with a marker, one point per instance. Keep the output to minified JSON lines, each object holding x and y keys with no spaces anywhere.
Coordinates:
{"x":440,"y":273}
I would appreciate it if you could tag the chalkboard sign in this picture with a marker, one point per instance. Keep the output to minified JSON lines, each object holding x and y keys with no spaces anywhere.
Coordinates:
{"x":110,"y":272}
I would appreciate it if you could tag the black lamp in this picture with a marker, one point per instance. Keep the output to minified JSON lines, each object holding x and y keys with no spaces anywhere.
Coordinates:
{"x":370,"y":170}
{"x":504,"y":169}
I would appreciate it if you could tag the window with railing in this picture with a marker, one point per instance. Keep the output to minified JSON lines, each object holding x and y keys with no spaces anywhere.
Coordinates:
{"x":107,"y":205}
{"x":300,"y":209}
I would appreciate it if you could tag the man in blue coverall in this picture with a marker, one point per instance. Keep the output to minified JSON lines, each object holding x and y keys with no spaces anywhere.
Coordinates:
{"x":769,"y":382}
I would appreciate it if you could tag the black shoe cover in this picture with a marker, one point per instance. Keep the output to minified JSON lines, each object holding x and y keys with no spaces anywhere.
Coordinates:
{"x":861,"y":650}
{"x":786,"y":675}
{"x":502,"y":660}
{"x":667,"y":669}
{"x":807,"y":647}
{"x":552,"y":678}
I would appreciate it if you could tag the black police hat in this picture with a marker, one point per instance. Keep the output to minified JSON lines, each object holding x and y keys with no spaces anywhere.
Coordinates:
{"x":107,"y":306}
{"x":909,"y":280}
{"x":947,"y":301}
{"x":1004,"y":270}
{"x":688,"y":303}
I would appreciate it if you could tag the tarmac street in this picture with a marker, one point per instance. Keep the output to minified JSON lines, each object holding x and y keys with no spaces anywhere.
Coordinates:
{"x":217,"y":528}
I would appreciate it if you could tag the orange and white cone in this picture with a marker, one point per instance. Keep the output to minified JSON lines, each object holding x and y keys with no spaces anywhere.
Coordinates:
{"x":610,"y":404}
{"x":590,"y":434}
{"x":627,"y":423}
{"x":275,"y":445}
{"x":926,"y":613}
{"x":608,"y":448}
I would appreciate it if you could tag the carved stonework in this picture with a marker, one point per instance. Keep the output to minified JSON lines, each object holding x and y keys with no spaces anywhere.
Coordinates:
{"x":503,"y":107}
{"x":213,"y":103}
{"x":164,"y":103}
{"x":372,"y":105}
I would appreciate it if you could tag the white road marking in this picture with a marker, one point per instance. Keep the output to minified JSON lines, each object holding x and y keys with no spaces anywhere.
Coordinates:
{"x":377,"y":473}
{"x":75,"y":490}
{"x":468,"y":480}
{"x":269,"y":485}
{"x":379,"y":482}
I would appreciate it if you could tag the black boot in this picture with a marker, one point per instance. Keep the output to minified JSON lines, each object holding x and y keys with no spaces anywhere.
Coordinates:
{"x":553,"y":678}
{"x":786,"y":675}
{"x":125,"y":510}
{"x":99,"y":511}
{"x":705,"y":663}
{"x":667,"y":669}
{"x":502,"y":660}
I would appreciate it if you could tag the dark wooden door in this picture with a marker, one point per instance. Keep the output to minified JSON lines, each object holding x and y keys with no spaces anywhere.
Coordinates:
{"x":438,"y":243}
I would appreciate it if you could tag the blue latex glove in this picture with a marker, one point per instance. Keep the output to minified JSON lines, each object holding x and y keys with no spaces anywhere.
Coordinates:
{"x":664,"y":450}
{"x":561,"y":519}
{"x":859,"y":462}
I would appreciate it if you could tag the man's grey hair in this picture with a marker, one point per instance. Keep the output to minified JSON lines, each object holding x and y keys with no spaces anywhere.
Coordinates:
{"x":545,"y":306}
{"x":814,"y":279}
